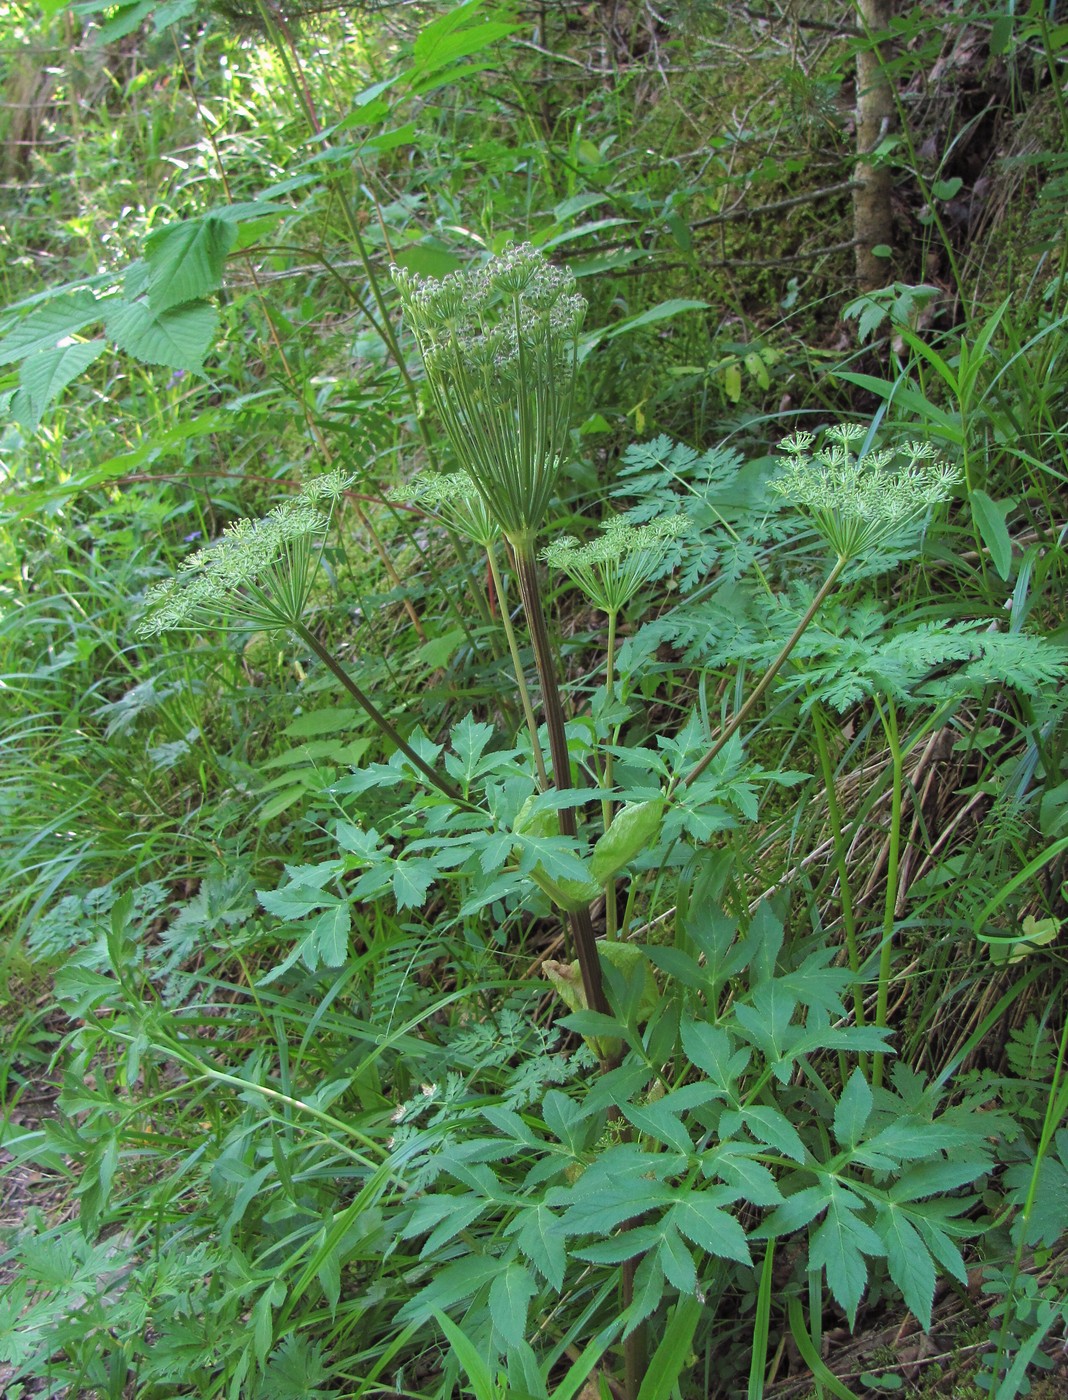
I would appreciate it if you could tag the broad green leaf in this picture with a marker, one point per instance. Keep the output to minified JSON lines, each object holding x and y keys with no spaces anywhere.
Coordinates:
{"x":710,"y":1049}
{"x":946,"y":189}
{"x":732,"y":381}
{"x":330,"y":935}
{"x":677,"y":1262}
{"x":989,"y":516}
{"x":911,"y":1139}
{"x":81,"y":989}
{"x":763,"y":943}
{"x":642,"y":992}
{"x":458,"y":33}
{"x":1001,"y":33}
{"x":427,"y":259}
{"x":451,"y":1285}
{"x":178,"y":338}
{"x":123,"y":21}
{"x":679,"y":966}
{"x":758,"y":369}
{"x":291,"y":901}
{"x":469,"y":739}
{"x":839,"y":1245}
{"x":733,"y":1164}
{"x":538,"y":1234}
{"x":941,"y":1246}
{"x":172,"y":12}
{"x":186,"y":260}
{"x":262,"y":1318}
{"x":770,"y":1126}
{"x":628,"y":1244}
{"x":663,"y":311}
{"x":563,"y":1118}
{"x":1049,"y":1208}
{"x":329,"y":1276}
{"x":853,"y":1110}
{"x":411,"y":881}
{"x":700,"y":1219}
{"x":47,"y":373}
{"x":766,"y":1022}
{"x":657,"y":1121}
{"x":797,"y":1210}
{"x":43,"y":329}
{"x":333,"y":720}
{"x":938,"y":1177}
{"x":509,"y":1300}
{"x":909,"y":1262}
{"x":633,"y":830}
{"x":648,"y":1291}
{"x":680,"y":231}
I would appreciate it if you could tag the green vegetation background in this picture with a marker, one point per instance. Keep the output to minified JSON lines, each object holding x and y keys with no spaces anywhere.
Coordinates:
{"x":289,"y":1110}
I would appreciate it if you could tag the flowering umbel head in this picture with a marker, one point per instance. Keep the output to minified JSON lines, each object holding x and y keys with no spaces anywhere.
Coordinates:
{"x":611,"y":568}
{"x":259,"y":574}
{"x":500,"y":348}
{"x":454,"y":498}
{"x":858,"y":502}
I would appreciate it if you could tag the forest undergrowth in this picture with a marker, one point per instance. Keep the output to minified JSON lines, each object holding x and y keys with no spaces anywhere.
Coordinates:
{"x":533,"y":795}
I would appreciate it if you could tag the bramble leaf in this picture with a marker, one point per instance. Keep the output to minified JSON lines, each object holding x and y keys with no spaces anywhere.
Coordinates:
{"x":186,"y":260}
{"x":178,"y":338}
{"x":45,"y":375}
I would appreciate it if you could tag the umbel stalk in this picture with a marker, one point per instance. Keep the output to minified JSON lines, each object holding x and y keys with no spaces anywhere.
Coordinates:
{"x":443,"y":785}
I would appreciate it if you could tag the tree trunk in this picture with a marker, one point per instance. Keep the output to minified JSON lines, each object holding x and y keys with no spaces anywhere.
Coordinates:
{"x":872,"y":224}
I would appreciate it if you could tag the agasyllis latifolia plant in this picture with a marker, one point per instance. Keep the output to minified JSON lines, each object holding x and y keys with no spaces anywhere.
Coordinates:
{"x":500,"y":349}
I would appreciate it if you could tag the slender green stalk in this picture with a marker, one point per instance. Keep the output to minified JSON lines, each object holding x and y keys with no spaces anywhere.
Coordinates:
{"x":607,"y":805}
{"x":443,"y":785}
{"x":579,"y":920}
{"x":1056,"y":1109}
{"x":521,"y":680}
{"x":732,"y":727}
{"x":834,"y":811}
{"x":897,"y":760}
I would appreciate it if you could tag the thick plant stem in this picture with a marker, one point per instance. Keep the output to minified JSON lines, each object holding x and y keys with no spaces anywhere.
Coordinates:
{"x":520,"y":679}
{"x":579,"y":919}
{"x":893,"y":858}
{"x":636,"y":1346}
{"x":443,"y":785}
{"x":732,"y":727}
